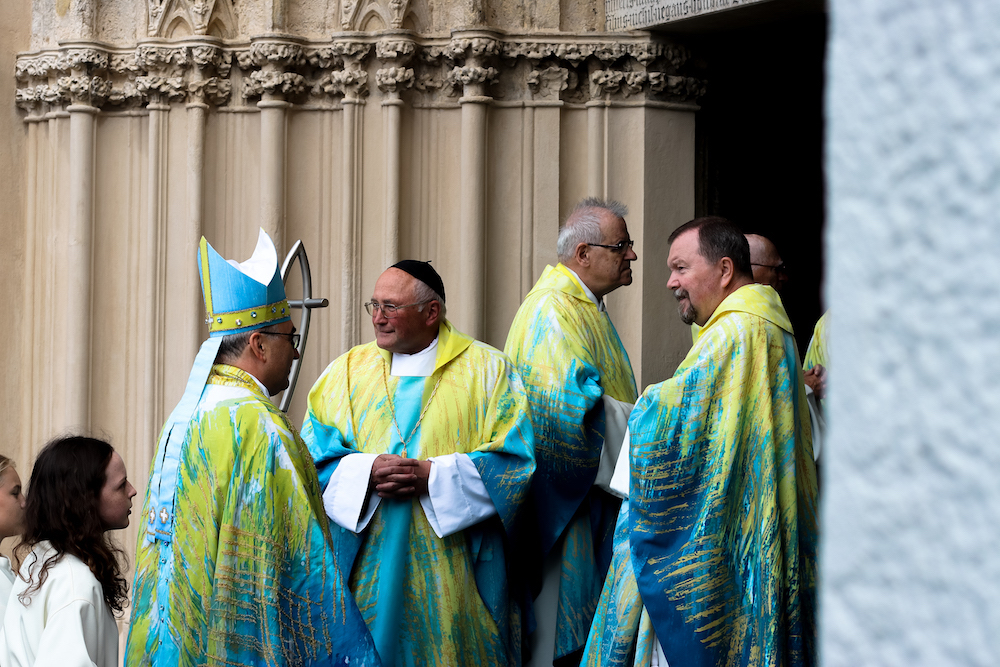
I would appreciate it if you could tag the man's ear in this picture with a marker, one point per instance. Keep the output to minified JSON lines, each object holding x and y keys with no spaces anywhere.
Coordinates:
{"x":433,"y":312}
{"x":727,"y":272}
{"x":582,"y":254}
{"x":257,"y":346}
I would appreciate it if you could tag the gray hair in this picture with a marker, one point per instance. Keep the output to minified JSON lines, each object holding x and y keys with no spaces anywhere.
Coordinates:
{"x":232,"y":345}
{"x":584,"y":224}
{"x":423,"y":292}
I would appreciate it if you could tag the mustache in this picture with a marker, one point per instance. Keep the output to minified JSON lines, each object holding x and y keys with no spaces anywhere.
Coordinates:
{"x":680,"y":293}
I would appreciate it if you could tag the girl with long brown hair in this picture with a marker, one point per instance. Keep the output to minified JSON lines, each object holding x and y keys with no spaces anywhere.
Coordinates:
{"x":71,"y":579}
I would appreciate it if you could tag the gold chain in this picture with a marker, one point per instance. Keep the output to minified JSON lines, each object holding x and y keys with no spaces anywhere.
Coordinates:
{"x":392,"y":411}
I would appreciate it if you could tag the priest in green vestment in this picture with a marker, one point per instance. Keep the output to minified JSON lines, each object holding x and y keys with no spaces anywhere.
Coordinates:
{"x":425,"y":452}
{"x":715,"y":552}
{"x":581,"y":388}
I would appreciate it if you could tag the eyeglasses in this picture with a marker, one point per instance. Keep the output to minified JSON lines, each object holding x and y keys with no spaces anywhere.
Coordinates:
{"x":619,"y":247}
{"x":293,"y":338}
{"x":389,"y":310}
{"x":780,"y":268}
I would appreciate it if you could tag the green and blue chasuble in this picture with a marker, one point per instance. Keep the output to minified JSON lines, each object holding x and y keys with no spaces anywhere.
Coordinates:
{"x":816,"y":352}
{"x":239,"y":567}
{"x":721,"y":515}
{"x":569,"y":355}
{"x":430,"y":601}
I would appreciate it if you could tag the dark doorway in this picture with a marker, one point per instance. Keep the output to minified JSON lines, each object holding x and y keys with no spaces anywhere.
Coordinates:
{"x":759,"y":135}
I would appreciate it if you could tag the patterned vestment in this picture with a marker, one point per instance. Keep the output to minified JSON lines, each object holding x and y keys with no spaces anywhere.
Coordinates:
{"x":249,"y":575}
{"x":569,"y":355}
{"x":722,"y":503}
{"x":455,"y":607}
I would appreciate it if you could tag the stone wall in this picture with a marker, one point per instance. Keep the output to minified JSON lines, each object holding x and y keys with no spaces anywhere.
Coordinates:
{"x":371,"y":131}
{"x":910,"y":571}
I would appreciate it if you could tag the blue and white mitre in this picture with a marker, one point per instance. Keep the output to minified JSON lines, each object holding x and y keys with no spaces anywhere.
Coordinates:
{"x":239,"y":297}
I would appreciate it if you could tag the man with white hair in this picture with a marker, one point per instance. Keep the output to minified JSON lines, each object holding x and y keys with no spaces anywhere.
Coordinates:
{"x":581,"y":387}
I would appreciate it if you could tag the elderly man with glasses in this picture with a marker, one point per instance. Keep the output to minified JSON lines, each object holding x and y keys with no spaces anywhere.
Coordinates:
{"x":581,"y":388}
{"x":425,"y":451}
{"x":768,"y":267}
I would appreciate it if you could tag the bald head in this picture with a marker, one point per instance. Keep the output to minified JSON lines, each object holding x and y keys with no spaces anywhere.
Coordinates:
{"x":768,"y":269}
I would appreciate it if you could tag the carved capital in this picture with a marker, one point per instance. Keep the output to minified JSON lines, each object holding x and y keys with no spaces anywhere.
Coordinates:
{"x":90,"y":90}
{"x":83,"y":59}
{"x":281,"y":54}
{"x":321,"y":58}
{"x":213,"y":89}
{"x":29,"y":98}
{"x":684,"y":88}
{"x":464,"y":76}
{"x":37,"y":67}
{"x":163,"y":60}
{"x":351,"y":50}
{"x":273,"y":83}
{"x":350,"y":83}
{"x":394,"y":49}
{"x":212,"y":57}
{"x":161,"y":87}
{"x":394,"y":79}
{"x":548,"y":83}
{"x":605,"y":82}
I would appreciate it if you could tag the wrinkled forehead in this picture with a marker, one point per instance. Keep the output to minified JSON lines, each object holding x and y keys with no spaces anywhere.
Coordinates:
{"x":613,"y":228}
{"x":394,"y":286}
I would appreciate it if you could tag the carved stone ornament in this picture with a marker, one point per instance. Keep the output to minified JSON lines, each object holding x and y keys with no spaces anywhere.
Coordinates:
{"x":273,"y":83}
{"x":464,"y":76}
{"x":549,"y":82}
{"x":394,"y":49}
{"x":165,"y":88}
{"x":602,"y":67}
{"x":394,"y":79}
{"x":397,"y":8}
{"x":214,"y":89}
{"x":90,"y":90}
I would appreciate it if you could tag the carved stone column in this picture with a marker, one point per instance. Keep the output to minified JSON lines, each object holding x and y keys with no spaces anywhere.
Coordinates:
{"x":474,"y":77}
{"x":207,"y":85}
{"x":544,"y":111}
{"x":162,"y":84}
{"x":394,"y":53}
{"x":273,"y":84}
{"x":86,"y":92}
{"x":353,"y":81}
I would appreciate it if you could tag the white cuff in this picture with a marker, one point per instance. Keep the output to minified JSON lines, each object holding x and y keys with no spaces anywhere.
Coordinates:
{"x":456,"y":496}
{"x":344,"y":496}
{"x":615,"y":427}
{"x":619,"y":481}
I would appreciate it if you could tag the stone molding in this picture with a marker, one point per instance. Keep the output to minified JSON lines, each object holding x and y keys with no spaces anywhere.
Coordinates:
{"x":206,"y":70}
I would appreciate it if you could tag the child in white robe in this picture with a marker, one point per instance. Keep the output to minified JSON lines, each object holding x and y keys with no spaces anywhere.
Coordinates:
{"x":70,"y":582}
{"x":11,"y":522}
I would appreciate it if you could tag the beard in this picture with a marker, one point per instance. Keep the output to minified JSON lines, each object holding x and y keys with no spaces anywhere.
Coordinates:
{"x":688,"y":314}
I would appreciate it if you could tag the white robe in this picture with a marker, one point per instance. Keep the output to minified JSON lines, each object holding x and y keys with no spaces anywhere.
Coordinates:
{"x":456,"y":496}
{"x":66,"y":624}
{"x":6,"y":582}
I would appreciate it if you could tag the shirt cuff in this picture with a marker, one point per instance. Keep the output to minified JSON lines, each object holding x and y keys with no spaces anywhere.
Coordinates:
{"x":456,"y":496}
{"x":619,"y":481}
{"x":344,"y":496}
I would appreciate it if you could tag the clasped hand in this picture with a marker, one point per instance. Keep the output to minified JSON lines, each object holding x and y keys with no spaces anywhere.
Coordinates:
{"x":397,"y":477}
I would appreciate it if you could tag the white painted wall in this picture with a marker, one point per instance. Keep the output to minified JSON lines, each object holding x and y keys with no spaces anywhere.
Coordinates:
{"x":911,"y":543}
